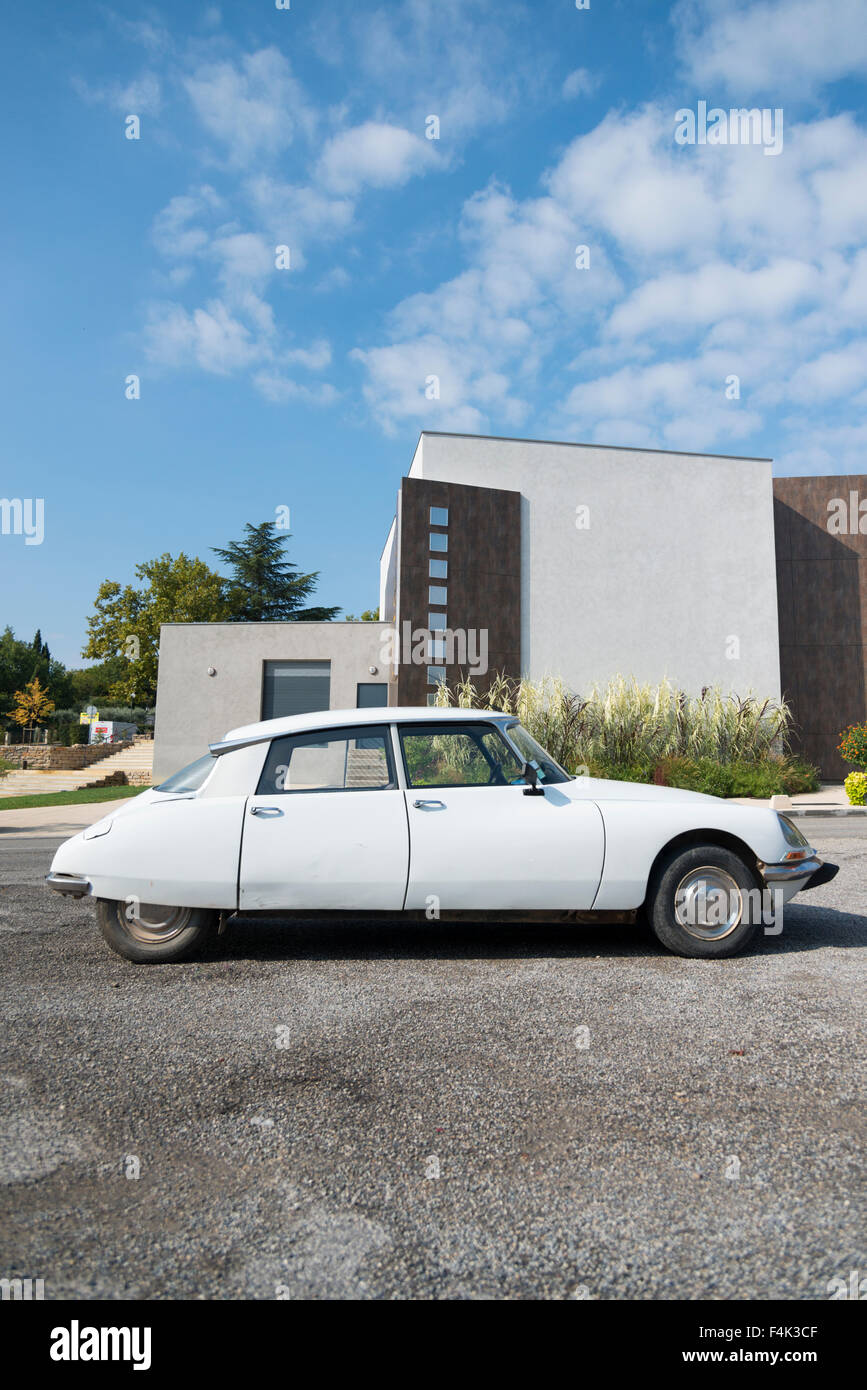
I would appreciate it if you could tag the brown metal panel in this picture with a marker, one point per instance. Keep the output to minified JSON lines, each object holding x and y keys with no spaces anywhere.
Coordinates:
{"x":484,"y":574}
{"x":822,"y":606}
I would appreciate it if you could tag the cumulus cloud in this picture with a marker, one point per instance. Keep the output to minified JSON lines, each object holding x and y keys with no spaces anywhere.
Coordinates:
{"x":725,"y":269}
{"x":376,"y":154}
{"x":209,"y":338}
{"x":250,"y":107}
{"x":778,"y":46}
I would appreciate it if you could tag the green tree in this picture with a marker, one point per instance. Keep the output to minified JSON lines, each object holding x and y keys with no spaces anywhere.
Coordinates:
{"x":264,"y":586}
{"x":90,"y":685}
{"x":21,"y":661}
{"x":370,"y":615}
{"x":127,"y":619}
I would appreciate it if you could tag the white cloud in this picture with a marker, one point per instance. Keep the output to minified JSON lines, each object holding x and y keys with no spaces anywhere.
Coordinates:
{"x":629,"y":180}
{"x":581,"y":83}
{"x":374,"y":154}
{"x":298,"y":216}
{"x":317,"y":356}
{"x":681,"y":404}
{"x":665,"y":306}
{"x":142,"y":96}
{"x":209,"y":338}
{"x":173,"y":233}
{"x":791,"y":46}
{"x":252,"y":107}
{"x":280,"y":389}
{"x":839,"y":372}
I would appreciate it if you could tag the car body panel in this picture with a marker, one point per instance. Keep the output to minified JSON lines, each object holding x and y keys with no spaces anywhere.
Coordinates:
{"x":326,"y":849}
{"x":181,"y":851}
{"x":496,"y":848}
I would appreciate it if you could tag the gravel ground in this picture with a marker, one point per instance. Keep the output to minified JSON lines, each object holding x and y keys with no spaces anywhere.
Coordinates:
{"x":289,"y":1102}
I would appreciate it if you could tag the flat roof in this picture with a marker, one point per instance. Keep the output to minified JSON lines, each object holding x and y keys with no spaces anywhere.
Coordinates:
{"x":582,"y":444}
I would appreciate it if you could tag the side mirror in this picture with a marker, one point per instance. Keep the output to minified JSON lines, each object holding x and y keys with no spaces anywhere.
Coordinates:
{"x":531,"y":777}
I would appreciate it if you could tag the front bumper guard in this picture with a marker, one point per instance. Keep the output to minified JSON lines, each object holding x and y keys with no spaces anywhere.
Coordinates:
{"x":73,"y":885}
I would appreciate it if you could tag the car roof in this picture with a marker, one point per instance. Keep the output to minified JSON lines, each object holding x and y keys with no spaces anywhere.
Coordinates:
{"x":339,"y":718}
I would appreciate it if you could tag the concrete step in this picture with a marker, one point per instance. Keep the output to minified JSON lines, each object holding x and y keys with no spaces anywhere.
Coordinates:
{"x":32,"y":781}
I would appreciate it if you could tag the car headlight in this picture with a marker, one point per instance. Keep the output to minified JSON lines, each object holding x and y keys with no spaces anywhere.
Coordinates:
{"x":791,"y":833}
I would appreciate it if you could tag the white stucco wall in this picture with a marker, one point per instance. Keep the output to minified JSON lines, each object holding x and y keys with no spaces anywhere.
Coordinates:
{"x":677,"y":561}
{"x":388,"y":576}
{"x":195,"y":709}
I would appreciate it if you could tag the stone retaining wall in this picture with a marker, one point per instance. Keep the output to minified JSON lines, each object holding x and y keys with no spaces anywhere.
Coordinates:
{"x":54,"y":757}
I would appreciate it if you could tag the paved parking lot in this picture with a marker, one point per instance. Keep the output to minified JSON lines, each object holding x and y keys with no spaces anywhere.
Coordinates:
{"x":392,"y":1111}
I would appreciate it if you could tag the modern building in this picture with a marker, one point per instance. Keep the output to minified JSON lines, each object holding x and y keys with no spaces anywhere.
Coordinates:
{"x":573,"y":560}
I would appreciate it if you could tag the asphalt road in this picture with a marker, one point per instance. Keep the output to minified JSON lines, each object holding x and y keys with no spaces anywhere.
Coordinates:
{"x":384,"y":1111}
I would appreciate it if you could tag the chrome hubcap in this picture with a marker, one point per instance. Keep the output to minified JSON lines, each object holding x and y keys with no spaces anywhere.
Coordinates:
{"x":708,"y":903}
{"x":151,"y":922}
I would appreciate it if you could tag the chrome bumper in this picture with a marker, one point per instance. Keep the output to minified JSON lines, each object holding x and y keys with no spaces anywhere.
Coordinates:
{"x":74,"y":885}
{"x":813,"y":869}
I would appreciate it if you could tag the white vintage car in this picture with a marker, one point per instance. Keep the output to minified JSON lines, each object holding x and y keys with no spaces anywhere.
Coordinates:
{"x":425,"y":812}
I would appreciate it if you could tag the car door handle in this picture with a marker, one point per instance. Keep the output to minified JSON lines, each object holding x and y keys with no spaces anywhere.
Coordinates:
{"x":428,"y":805}
{"x":265,"y":811}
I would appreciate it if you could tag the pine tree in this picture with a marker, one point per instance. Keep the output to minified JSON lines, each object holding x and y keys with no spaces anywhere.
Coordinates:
{"x":264,"y":585}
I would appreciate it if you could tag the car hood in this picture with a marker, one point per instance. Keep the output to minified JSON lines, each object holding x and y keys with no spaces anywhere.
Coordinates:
{"x":605,"y":789}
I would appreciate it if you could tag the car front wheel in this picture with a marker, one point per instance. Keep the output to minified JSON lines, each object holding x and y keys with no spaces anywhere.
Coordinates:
{"x":151,"y":933}
{"x":704,"y":901}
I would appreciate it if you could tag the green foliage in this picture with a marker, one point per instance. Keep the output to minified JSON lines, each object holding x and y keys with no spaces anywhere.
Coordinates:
{"x":856,"y":788}
{"x":127,"y":619}
{"x":370,"y":615}
{"x":714,"y":743}
{"x":90,"y":685}
{"x":853,"y":745}
{"x":627,"y":723}
{"x":695,"y":775}
{"x":21,"y":661}
{"x":264,"y":586}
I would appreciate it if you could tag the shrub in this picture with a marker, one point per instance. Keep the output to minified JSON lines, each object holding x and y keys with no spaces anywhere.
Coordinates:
{"x":853,"y":745}
{"x":799,"y":777}
{"x":697,"y":775}
{"x":856,"y":788}
{"x":625,"y":724}
{"x":620,"y":772}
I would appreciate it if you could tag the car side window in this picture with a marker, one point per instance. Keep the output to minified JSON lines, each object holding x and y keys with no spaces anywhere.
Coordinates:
{"x":470,"y":755}
{"x":329,"y":760}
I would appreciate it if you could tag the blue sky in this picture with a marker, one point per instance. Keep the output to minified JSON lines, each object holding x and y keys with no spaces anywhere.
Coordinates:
{"x":410,"y":258}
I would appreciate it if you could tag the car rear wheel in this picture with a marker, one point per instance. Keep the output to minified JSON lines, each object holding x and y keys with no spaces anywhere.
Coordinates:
{"x":704,"y":901}
{"x":151,"y":932}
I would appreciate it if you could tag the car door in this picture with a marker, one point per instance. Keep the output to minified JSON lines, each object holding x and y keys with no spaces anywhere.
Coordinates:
{"x":327,"y":826}
{"x":477,"y":841}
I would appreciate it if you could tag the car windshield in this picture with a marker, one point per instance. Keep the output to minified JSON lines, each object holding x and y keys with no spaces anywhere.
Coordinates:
{"x":532,"y":752}
{"x":190,"y":778}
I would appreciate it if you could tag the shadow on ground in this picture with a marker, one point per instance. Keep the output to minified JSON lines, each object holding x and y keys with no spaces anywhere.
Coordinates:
{"x":805,"y":929}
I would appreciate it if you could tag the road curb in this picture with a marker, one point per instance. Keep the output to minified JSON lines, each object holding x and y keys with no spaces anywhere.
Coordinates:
{"x":825,"y":811}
